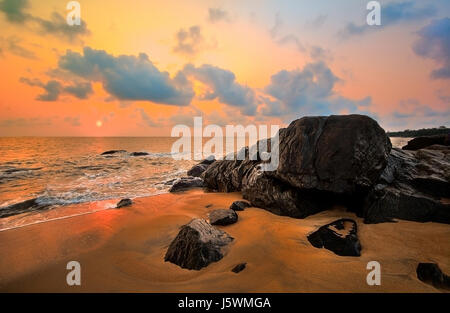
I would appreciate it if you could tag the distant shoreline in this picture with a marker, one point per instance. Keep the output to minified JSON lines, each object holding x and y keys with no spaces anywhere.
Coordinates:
{"x":420,"y":132}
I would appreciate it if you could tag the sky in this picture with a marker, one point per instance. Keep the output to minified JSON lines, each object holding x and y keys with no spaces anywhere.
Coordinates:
{"x":140,"y":67}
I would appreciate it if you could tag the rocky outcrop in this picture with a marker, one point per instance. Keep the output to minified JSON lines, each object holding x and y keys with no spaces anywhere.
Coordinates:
{"x":185,"y":183}
{"x":430,"y":273}
{"x":123,"y":203}
{"x":222,"y":217}
{"x":321,"y":160}
{"x":197,"y":245}
{"x":411,"y":187}
{"x":339,"y":236}
{"x":240,"y":205}
{"x":426,"y":141}
{"x":346,"y":160}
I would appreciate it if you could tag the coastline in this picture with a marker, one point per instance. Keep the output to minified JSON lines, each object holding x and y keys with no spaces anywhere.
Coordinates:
{"x":123,"y":250}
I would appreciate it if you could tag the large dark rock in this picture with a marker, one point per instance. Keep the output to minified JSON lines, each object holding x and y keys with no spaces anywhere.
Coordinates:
{"x":411,"y":187}
{"x":223,"y":217}
{"x":240,"y":205}
{"x":430,"y":273}
{"x":197,"y":245}
{"x":339,"y":154}
{"x":209,"y":160}
{"x":109,"y":152}
{"x":339,"y":236}
{"x":185,"y":183}
{"x":426,"y":141}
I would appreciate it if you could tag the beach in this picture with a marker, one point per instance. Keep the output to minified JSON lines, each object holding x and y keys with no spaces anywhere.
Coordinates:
{"x":122,"y":250}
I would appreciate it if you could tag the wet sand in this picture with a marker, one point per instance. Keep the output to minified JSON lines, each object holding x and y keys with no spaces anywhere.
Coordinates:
{"x":123,"y":250}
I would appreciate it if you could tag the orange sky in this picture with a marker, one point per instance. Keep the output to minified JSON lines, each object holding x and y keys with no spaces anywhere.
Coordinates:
{"x":253,"y":40}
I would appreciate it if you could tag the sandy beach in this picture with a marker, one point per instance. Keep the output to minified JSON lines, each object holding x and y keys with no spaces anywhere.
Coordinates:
{"x":123,"y":250}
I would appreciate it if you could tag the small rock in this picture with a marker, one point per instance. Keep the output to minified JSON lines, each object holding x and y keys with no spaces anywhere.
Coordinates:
{"x":209,"y":160}
{"x":197,"y":245}
{"x":113,"y":152}
{"x":240,"y":205}
{"x":223,"y":217}
{"x":339,"y":236}
{"x":185,"y":183}
{"x":138,"y":153}
{"x":124,"y":202}
{"x":208,"y":206}
{"x":430,"y":273}
{"x":239,"y":267}
{"x":197,"y":170}
{"x":426,"y":141}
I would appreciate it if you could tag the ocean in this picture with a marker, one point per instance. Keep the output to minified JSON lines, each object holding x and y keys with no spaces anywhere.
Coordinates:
{"x":62,"y":171}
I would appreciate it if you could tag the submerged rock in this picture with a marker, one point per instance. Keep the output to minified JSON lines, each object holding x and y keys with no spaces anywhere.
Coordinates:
{"x":411,"y":188}
{"x":426,"y":141}
{"x":430,"y":273}
{"x":240,"y":205}
{"x":185,"y":183}
{"x":109,"y":152}
{"x":339,"y":236}
{"x":197,"y":245}
{"x":223,"y":217}
{"x":239,"y":268}
{"x":139,"y":153}
{"x":124,"y":202}
{"x":23,"y":207}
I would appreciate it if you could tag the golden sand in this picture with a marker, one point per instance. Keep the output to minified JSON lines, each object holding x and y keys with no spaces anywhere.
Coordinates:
{"x":123,"y":250}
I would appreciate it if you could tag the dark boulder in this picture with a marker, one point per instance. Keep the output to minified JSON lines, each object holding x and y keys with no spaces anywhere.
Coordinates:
{"x":239,"y":268}
{"x":109,"y":152}
{"x":223,"y":217}
{"x":139,"y":153}
{"x":197,"y":245}
{"x":338,"y":153}
{"x":197,"y":170}
{"x":426,"y":141}
{"x":430,"y":273}
{"x":185,"y":183}
{"x":240,"y":205}
{"x":339,"y":236}
{"x":411,"y":188}
{"x":124,"y":202}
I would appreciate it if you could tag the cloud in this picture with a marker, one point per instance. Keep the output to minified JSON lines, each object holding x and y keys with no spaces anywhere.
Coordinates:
{"x":26,"y":122}
{"x":147,"y":119}
{"x":73,"y":120}
{"x":14,"y":10}
{"x":317,"y":22}
{"x":391,"y":14}
{"x":128,"y":77}
{"x":53,"y":89}
{"x":13,"y":45}
{"x":434,"y":43}
{"x":308,"y":91}
{"x":218,"y":15}
{"x":57,"y":26}
{"x":189,"y":41}
{"x":223,"y":87}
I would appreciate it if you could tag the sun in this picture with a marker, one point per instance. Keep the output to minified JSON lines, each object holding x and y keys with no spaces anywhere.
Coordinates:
{"x":99,"y":123}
